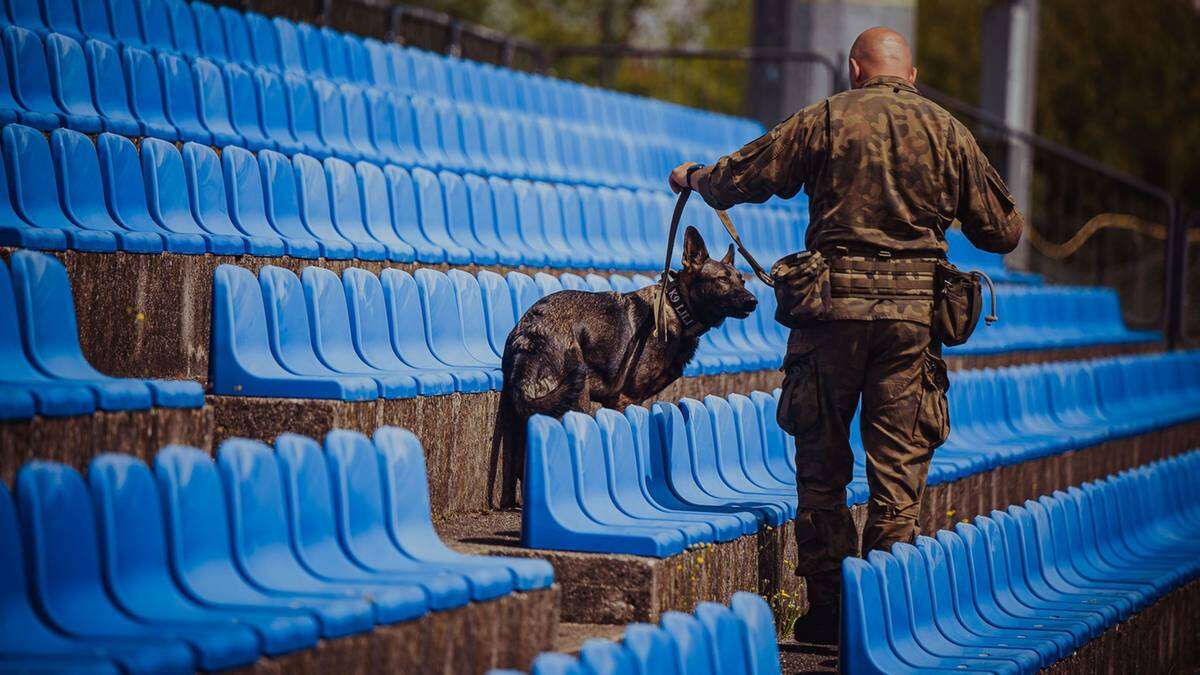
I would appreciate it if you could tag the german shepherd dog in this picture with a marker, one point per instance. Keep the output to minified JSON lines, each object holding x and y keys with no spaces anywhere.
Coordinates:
{"x":574,"y":349}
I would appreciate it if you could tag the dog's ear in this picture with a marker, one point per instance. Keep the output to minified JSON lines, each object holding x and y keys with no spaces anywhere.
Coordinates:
{"x":694,"y":250}
{"x":728,"y":258}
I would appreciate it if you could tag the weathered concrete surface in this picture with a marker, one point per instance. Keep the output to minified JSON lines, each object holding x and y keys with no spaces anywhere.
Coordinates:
{"x":1018,"y":358}
{"x":76,"y":440}
{"x":1161,"y":638}
{"x":949,"y":503}
{"x":504,"y":633}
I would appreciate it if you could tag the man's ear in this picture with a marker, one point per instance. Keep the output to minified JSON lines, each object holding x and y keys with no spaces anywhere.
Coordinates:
{"x":728,"y":259}
{"x":694,"y":250}
{"x":912,"y":77}
{"x":855,"y":73}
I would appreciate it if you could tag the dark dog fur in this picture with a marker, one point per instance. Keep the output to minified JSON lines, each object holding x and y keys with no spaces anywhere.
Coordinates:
{"x":566,"y":352}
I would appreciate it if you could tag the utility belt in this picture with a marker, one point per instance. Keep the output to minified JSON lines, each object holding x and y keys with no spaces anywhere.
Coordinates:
{"x":806,"y":284}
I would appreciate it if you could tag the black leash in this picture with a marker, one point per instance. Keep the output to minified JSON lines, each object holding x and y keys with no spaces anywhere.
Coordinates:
{"x":665,"y":279}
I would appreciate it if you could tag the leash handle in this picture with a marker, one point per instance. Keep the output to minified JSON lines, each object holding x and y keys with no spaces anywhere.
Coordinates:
{"x":737,"y":241}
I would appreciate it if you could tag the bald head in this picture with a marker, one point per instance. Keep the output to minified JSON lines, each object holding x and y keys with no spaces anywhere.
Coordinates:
{"x":880,"y":51}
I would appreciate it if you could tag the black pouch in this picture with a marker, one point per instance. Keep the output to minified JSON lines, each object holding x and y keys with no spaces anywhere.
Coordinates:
{"x":799,"y":411}
{"x":957,"y":304}
{"x":802,"y":290}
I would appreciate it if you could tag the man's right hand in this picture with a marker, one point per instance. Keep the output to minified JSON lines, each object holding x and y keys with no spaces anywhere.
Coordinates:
{"x":678,"y":179}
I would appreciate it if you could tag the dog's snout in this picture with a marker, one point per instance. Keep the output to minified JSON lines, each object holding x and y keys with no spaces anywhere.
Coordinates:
{"x":746,"y":304}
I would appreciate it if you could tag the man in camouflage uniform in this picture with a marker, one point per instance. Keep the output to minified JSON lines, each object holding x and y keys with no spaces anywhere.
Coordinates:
{"x":886,"y":172}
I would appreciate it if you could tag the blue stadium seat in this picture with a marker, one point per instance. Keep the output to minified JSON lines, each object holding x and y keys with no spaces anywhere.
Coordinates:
{"x":26,"y":389}
{"x":290,"y":51}
{"x":377,"y":212}
{"x":137,"y":569}
{"x":312,"y":49}
{"x":483,"y":217}
{"x":275,"y":99}
{"x":247,"y":208}
{"x":60,"y":525}
{"x":210,"y":206}
{"x":605,"y":657}
{"x":354,"y":470}
{"x":312,"y":187}
{"x":78,"y":169}
{"x":406,"y":500}
{"x":200,"y":542}
{"x":210,"y":31}
{"x":214,"y":104}
{"x":29,"y":77}
{"x":302,"y":114}
{"x":71,"y":84}
{"x":431,"y":207}
{"x":123,"y":17}
{"x":373,"y":340}
{"x":146,"y":94}
{"x":552,"y":518}
{"x":62,"y":17}
{"x":264,"y":41}
{"x":283,"y":208}
{"x":51,"y":338}
{"x":325,"y":299}
{"x":358,"y":124}
{"x":409,"y":336}
{"x":472,"y":313}
{"x":237,"y":35}
{"x":330,"y":108}
{"x":444,"y":329}
{"x":347,"y":203}
{"x":290,"y":328}
{"x":243,"y":362}
{"x":180,"y":102}
{"x":459,"y":215}
{"x":107,"y":78}
{"x":261,"y":544}
{"x":123,"y":190}
{"x":182,"y":23}
{"x":29,"y":638}
{"x":30,"y":169}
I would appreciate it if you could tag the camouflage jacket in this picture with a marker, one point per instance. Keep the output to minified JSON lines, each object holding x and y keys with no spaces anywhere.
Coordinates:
{"x":884,"y":168}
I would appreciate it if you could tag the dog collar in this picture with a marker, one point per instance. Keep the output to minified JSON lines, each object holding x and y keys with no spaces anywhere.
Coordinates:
{"x":692,"y":325}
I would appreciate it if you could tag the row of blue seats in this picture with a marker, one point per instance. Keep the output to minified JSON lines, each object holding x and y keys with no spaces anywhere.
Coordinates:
{"x":110,"y":197}
{"x":226,"y":35}
{"x":57,"y":82}
{"x":1048,"y":317}
{"x":656,"y":482}
{"x":1011,"y":415}
{"x":713,"y":640}
{"x":42,"y":368}
{"x":1025,"y":587}
{"x":197,"y":564}
{"x":398,"y":335}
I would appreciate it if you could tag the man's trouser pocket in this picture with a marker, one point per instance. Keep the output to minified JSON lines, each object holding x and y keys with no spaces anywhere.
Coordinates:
{"x":799,"y":411}
{"x":932,"y":425}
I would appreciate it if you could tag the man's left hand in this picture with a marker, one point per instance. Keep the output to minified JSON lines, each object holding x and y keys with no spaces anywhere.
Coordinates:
{"x":679,"y":177}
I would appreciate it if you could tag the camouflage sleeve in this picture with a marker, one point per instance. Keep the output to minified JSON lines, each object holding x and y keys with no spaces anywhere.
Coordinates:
{"x":986,"y":209}
{"x":772,"y":164}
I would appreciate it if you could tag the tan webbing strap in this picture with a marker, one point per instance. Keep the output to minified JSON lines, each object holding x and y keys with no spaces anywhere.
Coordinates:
{"x":737,"y":241}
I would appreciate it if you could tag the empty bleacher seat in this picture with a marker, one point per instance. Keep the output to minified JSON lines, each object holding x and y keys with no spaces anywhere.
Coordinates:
{"x":728,"y":455}
{"x":45,"y":371}
{"x":734,"y":640}
{"x":207,"y":565}
{"x":1019,"y":589}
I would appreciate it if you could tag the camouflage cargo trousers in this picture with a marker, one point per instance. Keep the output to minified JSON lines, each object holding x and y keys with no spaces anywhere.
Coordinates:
{"x":898,"y":373}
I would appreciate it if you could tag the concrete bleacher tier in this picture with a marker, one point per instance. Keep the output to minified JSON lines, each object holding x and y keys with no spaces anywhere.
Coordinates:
{"x":225,"y":235}
{"x":702,"y":493}
{"x":300,"y":558}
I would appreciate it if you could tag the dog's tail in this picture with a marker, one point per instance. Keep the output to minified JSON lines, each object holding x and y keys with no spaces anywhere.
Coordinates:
{"x":516,"y":407}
